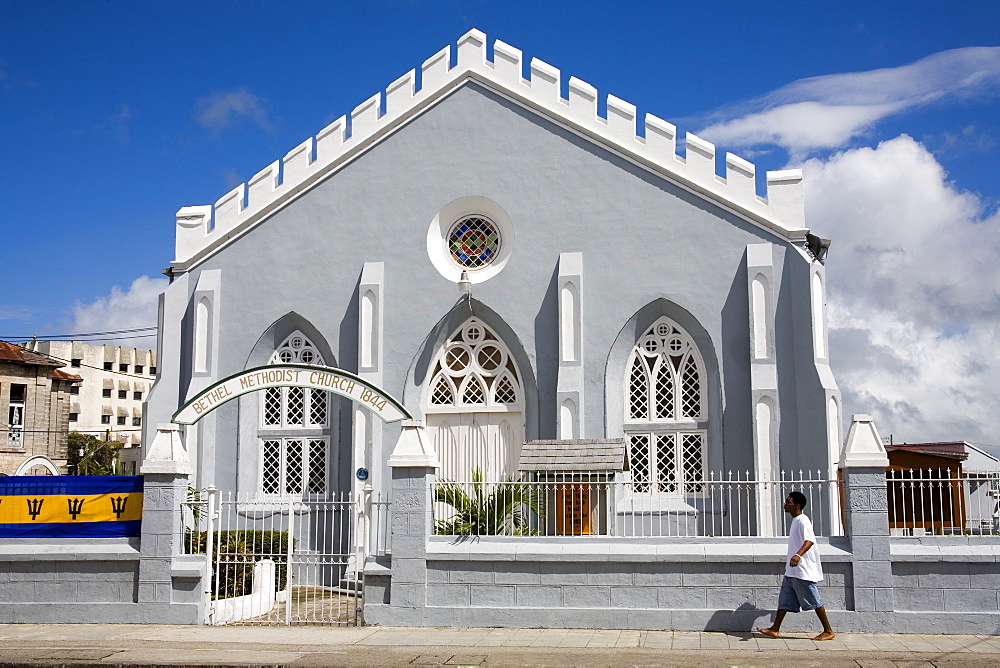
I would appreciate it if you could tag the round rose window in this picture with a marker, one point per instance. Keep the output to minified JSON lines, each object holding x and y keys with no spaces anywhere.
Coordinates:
{"x":474,"y":242}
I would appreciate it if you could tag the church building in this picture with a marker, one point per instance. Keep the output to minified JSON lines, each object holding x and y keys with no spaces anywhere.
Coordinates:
{"x":508,"y":265}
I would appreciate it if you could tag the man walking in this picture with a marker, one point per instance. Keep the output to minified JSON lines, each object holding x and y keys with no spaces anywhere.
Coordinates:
{"x":802,"y":572}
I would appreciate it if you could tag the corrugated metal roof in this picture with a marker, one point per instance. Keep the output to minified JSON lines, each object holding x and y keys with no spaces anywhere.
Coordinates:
{"x":574,"y":455}
{"x":11,"y":353}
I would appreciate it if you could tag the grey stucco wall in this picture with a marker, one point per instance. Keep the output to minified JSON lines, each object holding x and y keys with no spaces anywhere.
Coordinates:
{"x":643,"y":239}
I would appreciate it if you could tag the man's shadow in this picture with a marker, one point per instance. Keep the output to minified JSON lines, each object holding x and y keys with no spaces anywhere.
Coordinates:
{"x":742,"y":620}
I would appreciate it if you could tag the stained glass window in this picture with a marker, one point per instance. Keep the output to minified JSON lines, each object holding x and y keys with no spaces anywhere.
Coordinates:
{"x":474,"y":242}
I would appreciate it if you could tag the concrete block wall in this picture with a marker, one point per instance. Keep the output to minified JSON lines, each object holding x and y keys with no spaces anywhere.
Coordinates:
{"x":142,"y":579}
{"x":566,"y":583}
{"x":86,"y":582}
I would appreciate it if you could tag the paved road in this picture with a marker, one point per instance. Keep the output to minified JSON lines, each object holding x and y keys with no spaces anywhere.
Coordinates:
{"x":138,"y":644}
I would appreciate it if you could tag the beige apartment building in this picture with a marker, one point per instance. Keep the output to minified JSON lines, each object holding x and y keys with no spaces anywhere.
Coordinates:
{"x":116,"y":379}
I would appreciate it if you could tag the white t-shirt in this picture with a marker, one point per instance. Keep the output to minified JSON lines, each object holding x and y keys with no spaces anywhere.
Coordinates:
{"x":810,"y":568}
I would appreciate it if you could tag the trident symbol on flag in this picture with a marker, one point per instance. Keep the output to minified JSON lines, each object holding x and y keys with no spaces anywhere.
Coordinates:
{"x":75,"y":506}
{"x":35,"y":507}
{"x":118,"y":505}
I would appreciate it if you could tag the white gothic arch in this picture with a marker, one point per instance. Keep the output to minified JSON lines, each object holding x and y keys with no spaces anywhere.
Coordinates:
{"x":666,"y":412}
{"x":294,"y":429}
{"x":474,"y":405}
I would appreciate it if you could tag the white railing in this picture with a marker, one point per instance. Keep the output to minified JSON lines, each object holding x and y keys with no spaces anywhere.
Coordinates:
{"x":281,"y":560}
{"x":943,"y":502}
{"x":585,"y":504}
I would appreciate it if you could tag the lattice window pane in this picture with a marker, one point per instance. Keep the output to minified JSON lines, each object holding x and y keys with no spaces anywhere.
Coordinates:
{"x":286,"y":356}
{"x":691,"y":392}
{"x":693,"y":457}
{"x":443,"y":394}
{"x":505,"y":392}
{"x":272,"y":406}
{"x":307,"y":356}
{"x":666,"y":462}
{"x":638,"y":461}
{"x":293,"y":467}
{"x":638,"y":387}
{"x":295,"y":402}
{"x":474,"y":392}
{"x":271,"y":467}
{"x":318,"y":401}
{"x":317,"y":467}
{"x":664,"y":397}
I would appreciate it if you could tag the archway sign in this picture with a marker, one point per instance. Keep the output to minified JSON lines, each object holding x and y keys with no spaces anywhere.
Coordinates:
{"x":325,"y":378}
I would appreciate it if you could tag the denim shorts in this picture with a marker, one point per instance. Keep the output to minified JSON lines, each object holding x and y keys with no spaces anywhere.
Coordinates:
{"x":798,"y":595}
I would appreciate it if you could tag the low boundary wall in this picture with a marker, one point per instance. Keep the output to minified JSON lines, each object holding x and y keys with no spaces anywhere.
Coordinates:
{"x":143,"y":579}
{"x":874,"y":582}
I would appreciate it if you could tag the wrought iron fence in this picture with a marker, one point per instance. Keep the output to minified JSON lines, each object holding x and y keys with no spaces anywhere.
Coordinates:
{"x":278,"y":561}
{"x":943,"y":502}
{"x":586,"y":504}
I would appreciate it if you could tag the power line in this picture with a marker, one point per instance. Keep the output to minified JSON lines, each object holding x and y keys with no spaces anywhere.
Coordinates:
{"x":83,"y":335}
{"x":97,"y":368}
{"x":112,"y":428}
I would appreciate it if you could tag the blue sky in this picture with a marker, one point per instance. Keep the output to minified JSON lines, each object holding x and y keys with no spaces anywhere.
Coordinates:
{"x":113,"y":115}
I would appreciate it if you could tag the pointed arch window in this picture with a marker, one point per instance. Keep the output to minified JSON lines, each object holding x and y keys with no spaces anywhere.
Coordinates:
{"x":666,"y":412}
{"x":294,"y":428}
{"x":474,"y":406}
{"x":475,"y":371}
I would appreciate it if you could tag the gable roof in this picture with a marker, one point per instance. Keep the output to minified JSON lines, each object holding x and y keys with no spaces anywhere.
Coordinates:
{"x":201,"y":230}
{"x":14,"y":353}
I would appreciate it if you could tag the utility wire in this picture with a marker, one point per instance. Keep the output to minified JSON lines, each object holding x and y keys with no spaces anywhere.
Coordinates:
{"x":110,"y":428}
{"x":82,"y":335}
{"x":98,"y":368}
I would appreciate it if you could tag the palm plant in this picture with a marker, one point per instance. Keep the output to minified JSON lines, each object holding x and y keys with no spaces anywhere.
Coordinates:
{"x":499,"y":510}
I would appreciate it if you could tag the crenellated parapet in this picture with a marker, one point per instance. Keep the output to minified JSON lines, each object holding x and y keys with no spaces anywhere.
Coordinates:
{"x":201,"y":229}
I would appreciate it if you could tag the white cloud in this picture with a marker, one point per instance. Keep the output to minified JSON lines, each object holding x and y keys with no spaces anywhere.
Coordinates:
{"x":218,"y":110}
{"x":121,"y":310}
{"x":914,"y":291}
{"x":828,"y":111}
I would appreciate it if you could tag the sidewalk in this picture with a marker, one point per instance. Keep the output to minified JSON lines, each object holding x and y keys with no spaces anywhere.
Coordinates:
{"x":140,"y":644}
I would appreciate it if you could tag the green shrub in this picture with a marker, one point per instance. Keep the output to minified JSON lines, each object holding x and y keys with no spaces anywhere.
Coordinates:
{"x":238,"y":551}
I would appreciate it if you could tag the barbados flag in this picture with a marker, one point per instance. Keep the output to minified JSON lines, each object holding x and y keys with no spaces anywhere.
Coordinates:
{"x":70,"y":506}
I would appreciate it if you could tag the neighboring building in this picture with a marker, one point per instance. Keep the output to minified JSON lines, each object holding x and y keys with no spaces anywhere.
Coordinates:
{"x":942,"y":488}
{"x":116,"y":382}
{"x":618,"y":291}
{"x":35,"y":398}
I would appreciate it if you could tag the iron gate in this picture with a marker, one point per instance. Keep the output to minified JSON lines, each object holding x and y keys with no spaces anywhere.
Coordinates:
{"x":286,"y":561}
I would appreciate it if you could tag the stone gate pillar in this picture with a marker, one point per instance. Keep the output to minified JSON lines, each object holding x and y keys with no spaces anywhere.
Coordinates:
{"x":866,"y":517}
{"x":170,"y":587}
{"x":399,"y":596}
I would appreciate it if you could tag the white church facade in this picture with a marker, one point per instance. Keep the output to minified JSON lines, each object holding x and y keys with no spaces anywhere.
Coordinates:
{"x":510,"y":266}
